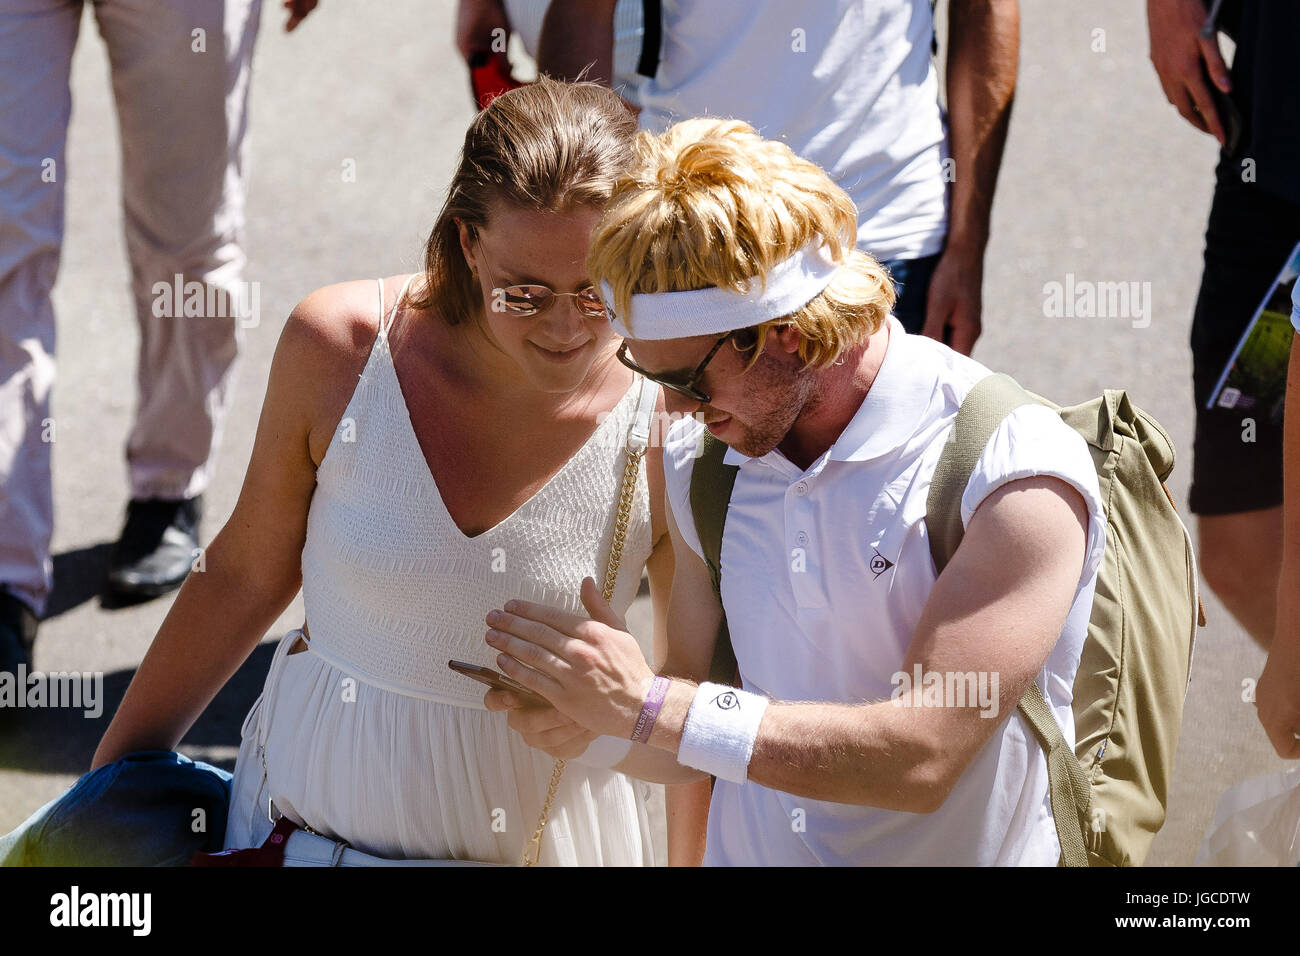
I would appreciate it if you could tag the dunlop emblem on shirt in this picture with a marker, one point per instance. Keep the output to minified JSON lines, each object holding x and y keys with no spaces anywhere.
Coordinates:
{"x":879,"y":564}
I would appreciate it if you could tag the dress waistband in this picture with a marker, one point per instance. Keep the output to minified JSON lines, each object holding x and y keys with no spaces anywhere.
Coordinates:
{"x":472,"y":699}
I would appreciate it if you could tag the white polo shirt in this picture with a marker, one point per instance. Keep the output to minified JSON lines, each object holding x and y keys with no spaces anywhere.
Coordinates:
{"x":825,"y":572}
{"x":847,"y":84}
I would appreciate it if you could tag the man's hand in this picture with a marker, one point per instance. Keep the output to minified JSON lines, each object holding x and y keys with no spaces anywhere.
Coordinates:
{"x":542,"y":727}
{"x":577,"y":35}
{"x":955,"y":299}
{"x":298,"y":10}
{"x":1277,"y":695}
{"x":1182,"y":56}
{"x":590,"y":669}
{"x":475,"y":21}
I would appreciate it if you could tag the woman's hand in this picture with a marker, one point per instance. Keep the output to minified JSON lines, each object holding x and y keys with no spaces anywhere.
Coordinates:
{"x":590,"y":669}
{"x":541,"y":726}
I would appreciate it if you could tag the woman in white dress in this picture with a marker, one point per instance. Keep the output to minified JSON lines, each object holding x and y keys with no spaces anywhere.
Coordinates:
{"x":429,"y":447}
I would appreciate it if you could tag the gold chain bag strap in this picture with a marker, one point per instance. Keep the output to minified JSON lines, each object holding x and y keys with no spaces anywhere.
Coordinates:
{"x":638,"y":440}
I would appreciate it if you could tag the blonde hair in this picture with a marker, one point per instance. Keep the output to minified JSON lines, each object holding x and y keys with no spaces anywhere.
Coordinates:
{"x":549,"y":147}
{"x":711,"y":203}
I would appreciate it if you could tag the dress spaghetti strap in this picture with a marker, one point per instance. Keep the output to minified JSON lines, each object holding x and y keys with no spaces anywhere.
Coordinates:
{"x":386,"y":321}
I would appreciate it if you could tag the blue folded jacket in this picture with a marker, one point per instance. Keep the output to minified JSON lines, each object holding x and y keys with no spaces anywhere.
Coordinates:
{"x":150,"y":808}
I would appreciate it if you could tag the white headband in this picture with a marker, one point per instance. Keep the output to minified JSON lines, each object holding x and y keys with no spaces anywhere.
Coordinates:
{"x":790,"y":285}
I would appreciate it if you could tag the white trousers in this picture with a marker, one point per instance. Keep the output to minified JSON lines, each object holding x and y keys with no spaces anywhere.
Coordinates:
{"x":180,"y":74}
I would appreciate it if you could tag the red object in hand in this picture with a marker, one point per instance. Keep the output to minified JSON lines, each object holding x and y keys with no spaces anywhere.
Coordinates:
{"x":489,"y":76}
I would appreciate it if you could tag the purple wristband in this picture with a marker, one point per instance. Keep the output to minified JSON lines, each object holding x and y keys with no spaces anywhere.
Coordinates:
{"x":650,"y":709}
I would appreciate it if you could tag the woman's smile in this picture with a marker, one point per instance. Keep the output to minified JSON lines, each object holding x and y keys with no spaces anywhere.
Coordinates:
{"x":562,"y":356}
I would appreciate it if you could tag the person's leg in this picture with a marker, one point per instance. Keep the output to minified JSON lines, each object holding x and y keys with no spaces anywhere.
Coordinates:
{"x":1236,"y":488}
{"x":180,"y":78}
{"x":912,"y":283}
{"x":1241,"y":555}
{"x":37,"y":38}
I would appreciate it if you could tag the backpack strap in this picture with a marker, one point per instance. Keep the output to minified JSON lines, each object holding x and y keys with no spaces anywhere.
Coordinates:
{"x":1070,"y":790}
{"x":711,"y":484}
{"x":990,"y":401}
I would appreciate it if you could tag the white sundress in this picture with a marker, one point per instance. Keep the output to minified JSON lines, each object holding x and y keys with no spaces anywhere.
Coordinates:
{"x":368,"y":736}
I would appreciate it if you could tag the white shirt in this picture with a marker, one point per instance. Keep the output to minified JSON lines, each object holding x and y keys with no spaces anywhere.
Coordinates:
{"x":848,"y":84}
{"x":812,"y":619}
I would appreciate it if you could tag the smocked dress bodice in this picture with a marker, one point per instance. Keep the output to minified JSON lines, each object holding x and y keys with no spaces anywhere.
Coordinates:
{"x":393,"y":588}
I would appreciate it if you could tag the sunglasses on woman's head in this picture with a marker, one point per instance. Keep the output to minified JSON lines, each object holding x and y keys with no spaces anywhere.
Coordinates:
{"x":533,"y":298}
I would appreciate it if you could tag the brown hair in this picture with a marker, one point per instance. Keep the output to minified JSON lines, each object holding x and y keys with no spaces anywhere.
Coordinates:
{"x":708,"y":203}
{"x":548,"y":147}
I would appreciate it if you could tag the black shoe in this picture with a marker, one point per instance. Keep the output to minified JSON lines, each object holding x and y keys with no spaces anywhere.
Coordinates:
{"x":157,"y":547}
{"x":17,"y":633}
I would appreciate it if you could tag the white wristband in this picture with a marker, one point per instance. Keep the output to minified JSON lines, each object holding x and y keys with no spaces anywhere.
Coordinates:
{"x":720,"y":729}
{"x":604,"y":752}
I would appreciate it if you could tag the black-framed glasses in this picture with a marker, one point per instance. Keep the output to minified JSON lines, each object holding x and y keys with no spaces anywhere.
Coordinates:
{"x":533,"y":298}
{"x":682,"y":386}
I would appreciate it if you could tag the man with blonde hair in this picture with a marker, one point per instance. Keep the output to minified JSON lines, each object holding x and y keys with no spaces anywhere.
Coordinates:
{"x":871,"y":689}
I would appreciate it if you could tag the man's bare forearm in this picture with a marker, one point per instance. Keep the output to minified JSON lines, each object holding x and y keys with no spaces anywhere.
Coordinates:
{"x":878,"y":755}
{"x":577,"y":34}
{"x":983,"y":57}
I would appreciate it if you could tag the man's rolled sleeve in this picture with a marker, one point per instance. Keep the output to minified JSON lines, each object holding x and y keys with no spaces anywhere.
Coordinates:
{"x":1033,"y":441}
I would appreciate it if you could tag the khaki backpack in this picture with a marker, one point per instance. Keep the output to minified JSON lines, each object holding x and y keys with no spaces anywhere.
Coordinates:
{"x":1109,"y":794}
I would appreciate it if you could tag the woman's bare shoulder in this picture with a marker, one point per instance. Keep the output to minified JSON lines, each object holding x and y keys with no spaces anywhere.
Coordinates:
{"x":335,"y":324}
{"x":323,"y":350}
